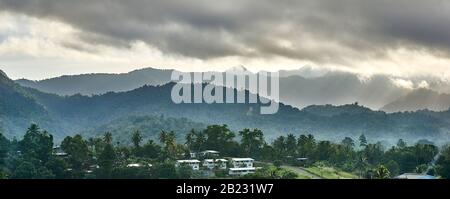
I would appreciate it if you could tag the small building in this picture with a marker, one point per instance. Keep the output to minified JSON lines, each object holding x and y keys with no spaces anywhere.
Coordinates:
{"x":193,"y":154}
{"x":58,"y":151}
{"x":91,"y":169}
{"x":241,"y":171}
{"x":215,"y":163}
{"x":302,"y":161}
{"x":134,"y":165}
{"x":415,"y":176}
{"x":209,"y":154}
{"x":195,"y":164}
{"x":242,"y":162}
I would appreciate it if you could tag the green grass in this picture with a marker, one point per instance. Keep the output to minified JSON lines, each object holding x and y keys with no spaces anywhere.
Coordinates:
{"x":330,"y":173}
{"x":302,"y":177}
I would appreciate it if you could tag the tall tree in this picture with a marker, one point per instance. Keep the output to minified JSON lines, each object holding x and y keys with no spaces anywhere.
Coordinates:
{"x":401,"y":144}
{"x":107,"y":138}
{"x":168,"y":139}
{"x":136,"y":138}
{"x":221,"y":138}
{"x":279,"y":145}
{"x":348,"y":142}
{"x":190,"y":139}
{"x":325,"y":150}
{"x":374,"y":153}
{"x":106,"y":161}
{"x":306,"y":146}
{"x":291,"y":145}
{"x":252,"y":142}
{"x":151,"y":149}
{"x":362,"y":141}
{"x":361,"y":164}
{"x":77,"y":149}
{"x":36,"y":144}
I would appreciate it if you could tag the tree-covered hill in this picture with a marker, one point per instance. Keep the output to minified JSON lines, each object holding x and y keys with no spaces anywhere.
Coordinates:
{"x":324,"y":121}
{"x":73,"y":114}
{"x":18,"y":108}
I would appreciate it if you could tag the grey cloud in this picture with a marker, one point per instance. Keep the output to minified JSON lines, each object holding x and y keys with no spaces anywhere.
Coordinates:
{"x":362,"y":29}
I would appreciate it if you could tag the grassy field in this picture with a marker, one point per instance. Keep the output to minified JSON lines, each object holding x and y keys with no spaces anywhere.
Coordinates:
{"x":330,"y":173}
{"x":302,"y":177}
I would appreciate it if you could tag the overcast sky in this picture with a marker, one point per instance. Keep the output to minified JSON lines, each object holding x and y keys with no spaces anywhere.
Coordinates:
{"x":46,"y":38}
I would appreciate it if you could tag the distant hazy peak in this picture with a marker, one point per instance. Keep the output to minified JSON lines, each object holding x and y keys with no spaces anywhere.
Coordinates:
{"x":420,"y":99}
{"x":147,"y":69}
{"x":237,"y":69}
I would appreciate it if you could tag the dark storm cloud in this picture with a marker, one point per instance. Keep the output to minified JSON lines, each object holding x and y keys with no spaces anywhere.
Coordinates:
{"x":333,"y":31}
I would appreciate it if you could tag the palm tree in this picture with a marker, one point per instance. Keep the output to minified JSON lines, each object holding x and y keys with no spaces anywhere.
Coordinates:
{"x":136,"y":139}
{"x":163,"y":137}
{"x":168,"y":139}
{"x":382,"y":172}
{"x":361,"y":164}
{"x":108,"y":138}
{"x":190,"y":138}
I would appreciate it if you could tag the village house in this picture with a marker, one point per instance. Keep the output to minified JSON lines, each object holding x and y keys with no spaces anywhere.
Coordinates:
{"x":415,"y":176}
{"x":215,"y":163}
{"x":242,"y":162}
{"x":194,"y":164}
{"x":207,"y":154}
{"x":241,"y":166}
{"x":58,"y":151}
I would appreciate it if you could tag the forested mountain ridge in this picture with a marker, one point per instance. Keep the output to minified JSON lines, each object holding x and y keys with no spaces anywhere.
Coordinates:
{"x":73,"y":114}
{"x":91,"y":84}
{"x":299,"y":88}
{"x":18,"y":108}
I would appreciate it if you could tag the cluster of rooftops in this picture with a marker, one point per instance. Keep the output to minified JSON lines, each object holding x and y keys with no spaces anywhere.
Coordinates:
{"x":210,"y":160}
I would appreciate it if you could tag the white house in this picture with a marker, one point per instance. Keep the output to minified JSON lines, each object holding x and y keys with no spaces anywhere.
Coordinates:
{"x":215,"y":163}
{"x":221,"y":163}
{"x":205,"y":154}
{"x":195,"y":164}
{"x":58,"y":151}
{"x":241,"y":171}
{"x":209,"y":153}
{"x":242,"y":162}
{"x":134,"y":165}
{"x":415,"y":176}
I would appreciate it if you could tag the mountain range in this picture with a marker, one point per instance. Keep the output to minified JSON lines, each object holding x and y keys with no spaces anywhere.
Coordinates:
{"x":91,"y":84}
{"x":299,"y":88}
{"x":67,"y":115}
{"x":420,"y":99}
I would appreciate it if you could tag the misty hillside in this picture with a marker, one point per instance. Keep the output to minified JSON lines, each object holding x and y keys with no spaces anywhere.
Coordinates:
{"x":339,"y":89}
{"x":18,"y":108}
{"x":420,"y":99}
{"x":299,"y":88}
{"x":75,"y":114}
